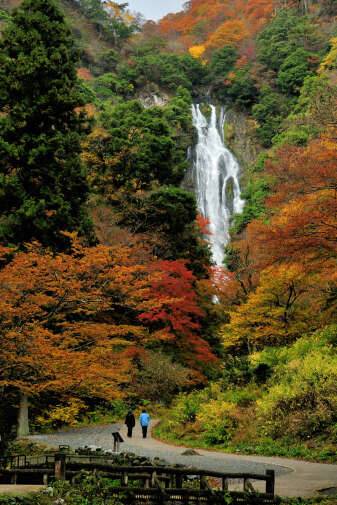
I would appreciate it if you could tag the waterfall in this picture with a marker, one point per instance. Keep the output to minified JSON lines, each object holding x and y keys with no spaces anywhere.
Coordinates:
{"x":216,"y":174}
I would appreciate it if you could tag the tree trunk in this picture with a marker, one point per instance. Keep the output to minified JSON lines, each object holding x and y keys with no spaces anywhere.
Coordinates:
{"x":23,"y":417}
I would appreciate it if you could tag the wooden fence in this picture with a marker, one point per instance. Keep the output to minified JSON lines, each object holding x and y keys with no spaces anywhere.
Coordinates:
{"x":143,"y":484}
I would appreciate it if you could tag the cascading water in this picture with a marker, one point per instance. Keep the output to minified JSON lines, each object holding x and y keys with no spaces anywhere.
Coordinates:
{"x":216,"y":173}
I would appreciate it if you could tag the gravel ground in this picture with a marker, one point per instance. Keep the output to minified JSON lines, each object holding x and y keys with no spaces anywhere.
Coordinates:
{"x":293,"y":478}
{"x":100,"y":436}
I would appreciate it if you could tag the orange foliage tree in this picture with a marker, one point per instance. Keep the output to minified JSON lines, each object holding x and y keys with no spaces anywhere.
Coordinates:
{"x":292,"y":260}
{"x":230,"y":33}
{"x":71,"y":324}
{"x":57,"y":329}
{"x":217,"y":22}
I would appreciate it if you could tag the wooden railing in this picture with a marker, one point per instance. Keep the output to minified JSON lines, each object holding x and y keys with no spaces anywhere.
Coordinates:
{"x":153,"y":482}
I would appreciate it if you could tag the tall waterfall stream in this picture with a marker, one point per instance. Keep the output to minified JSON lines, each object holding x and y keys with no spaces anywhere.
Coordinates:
{"x":216,"y":173}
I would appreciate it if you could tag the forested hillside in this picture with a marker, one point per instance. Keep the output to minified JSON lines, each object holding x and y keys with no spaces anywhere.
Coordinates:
{"x":279,"y":74}
{"x":109,"y":297}
{"x":103,"y":261}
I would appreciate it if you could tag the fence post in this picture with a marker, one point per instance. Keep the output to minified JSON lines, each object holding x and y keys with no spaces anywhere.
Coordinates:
{"x":270,"y":482}
{"x":203,"y":482}
{"x":60,"y":466}
{"x":179,"y":481}
{"x":125,"y":479}
{"x":225,"y":484}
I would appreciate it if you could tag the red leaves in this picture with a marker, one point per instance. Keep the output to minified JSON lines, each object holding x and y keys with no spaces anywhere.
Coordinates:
{"x":75,"y":322}
{"x":203,"y":225}
{"x":174,"y":313}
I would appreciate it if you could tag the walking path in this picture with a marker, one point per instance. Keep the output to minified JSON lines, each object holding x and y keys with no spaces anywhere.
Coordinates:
{"x":293,"y":478}
{"x":18,"y":490}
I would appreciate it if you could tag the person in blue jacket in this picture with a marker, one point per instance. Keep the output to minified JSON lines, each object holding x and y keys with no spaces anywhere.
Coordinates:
{"x":144,"y":420}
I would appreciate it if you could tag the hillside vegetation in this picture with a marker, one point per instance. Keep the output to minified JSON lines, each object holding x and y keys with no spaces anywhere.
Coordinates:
{"x":280,"y":294}
{"x":90,"y":26}
{"x":106,"y":277}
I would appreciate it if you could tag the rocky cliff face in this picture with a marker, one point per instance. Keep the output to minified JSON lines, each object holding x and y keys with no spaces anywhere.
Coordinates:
{"x":240,"y":137}
{"x":153,"y":99}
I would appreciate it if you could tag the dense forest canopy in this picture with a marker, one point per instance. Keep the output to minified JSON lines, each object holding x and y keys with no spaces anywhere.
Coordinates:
{"x":103,"y":252}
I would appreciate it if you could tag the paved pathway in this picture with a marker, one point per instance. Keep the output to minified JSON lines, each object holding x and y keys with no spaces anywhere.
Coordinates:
{"x":18,"y":490}
{"x":293,"y":478}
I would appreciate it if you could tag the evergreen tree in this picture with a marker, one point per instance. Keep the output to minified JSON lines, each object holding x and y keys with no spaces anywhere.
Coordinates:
{"x":42,"y":182}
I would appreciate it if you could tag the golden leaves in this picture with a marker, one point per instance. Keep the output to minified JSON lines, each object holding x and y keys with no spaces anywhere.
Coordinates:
{"x":197,"y":51}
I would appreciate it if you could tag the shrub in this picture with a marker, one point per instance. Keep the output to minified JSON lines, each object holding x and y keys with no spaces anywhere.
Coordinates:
{"x":217,"y":421}
{"x":63,"y":414}
{"x":302,"y":399}
{"x":185,"y":409}
{"x":158,"y":378}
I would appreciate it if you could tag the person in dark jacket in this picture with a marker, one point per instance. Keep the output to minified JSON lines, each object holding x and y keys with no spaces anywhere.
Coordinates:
{"x":130,"y":422}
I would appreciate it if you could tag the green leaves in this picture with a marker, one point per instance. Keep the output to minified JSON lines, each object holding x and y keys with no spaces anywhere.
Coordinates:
{"x":285,"y":34}
{"x":293,"y":71}
{"x":166,"y":70}
{"x":43,"y":187}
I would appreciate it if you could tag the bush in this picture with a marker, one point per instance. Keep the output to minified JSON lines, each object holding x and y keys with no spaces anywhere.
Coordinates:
{"x":217,"y":421}
{"x":185,"y":409}
{"x":301,"y":401}
{"x":159,"y":379}
{"x":63,"y":414}
{"x":236,"y":371}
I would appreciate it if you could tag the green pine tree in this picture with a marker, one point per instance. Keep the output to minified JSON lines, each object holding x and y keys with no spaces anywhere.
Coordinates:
{"x":43,"y":185}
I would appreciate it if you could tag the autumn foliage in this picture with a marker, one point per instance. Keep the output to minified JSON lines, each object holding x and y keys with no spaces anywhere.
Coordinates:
{"x":71,"y":324}
{"x":216,"y":23}
{"x":286,"y":268}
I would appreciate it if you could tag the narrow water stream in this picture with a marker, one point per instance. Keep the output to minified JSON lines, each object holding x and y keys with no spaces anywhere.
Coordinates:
{"x":216,"y":173}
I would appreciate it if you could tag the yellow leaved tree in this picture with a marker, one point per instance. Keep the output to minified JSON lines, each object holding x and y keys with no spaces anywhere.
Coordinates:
{"x":197,"y":51}
{"x":275,"y":314}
